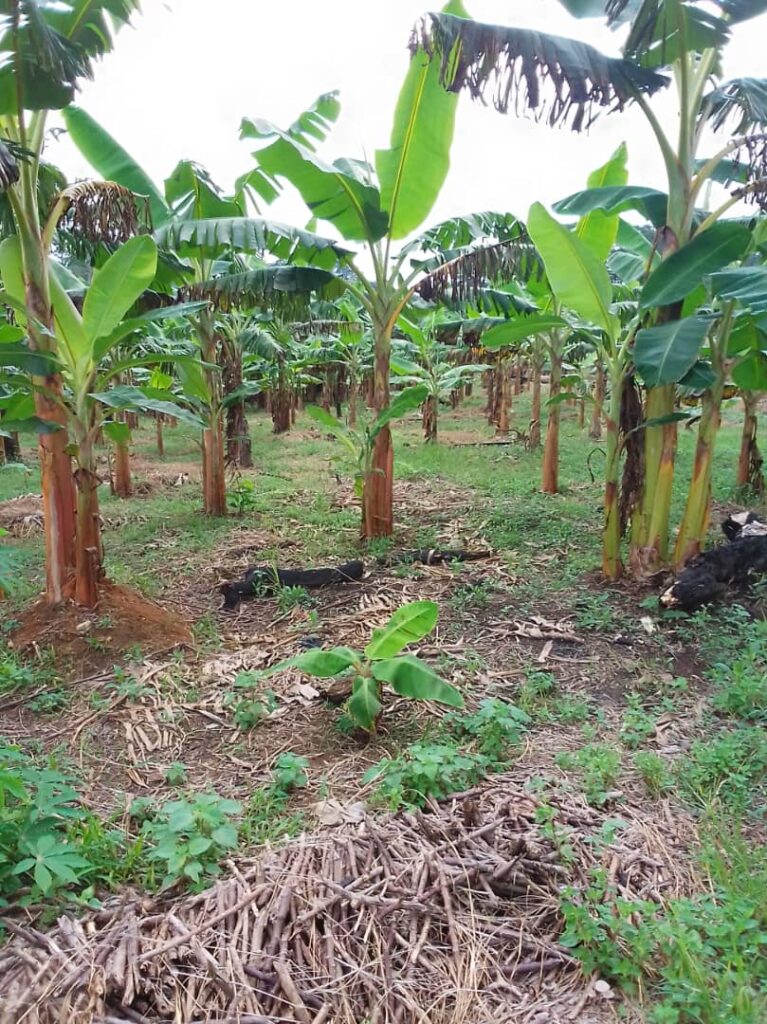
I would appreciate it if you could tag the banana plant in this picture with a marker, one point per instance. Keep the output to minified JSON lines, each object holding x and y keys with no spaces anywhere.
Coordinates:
{"x":209,"y":234}
{"x":85,"y":343}
{"x":735,"y":348}
{"x":565,"y":81}
{"x":432,"y":370}
{"x":360,"y":443}
{"x":381,"y":664}
{"x":48,"y":49}
{"x":379,"y":206}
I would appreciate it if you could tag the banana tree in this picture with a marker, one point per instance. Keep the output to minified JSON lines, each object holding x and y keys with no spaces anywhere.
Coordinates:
{"x":49,"y":47}
{"x":360,"y":444}
{"x":85,"y":343}
{"x":205,"y":230}
{"x":750,"y":478}
{"x":355,"y":351}
{"x":273,"y":341}
{"x":378,"y":207}
{"x":432,"y":369}
{"x":566,"y":81}
{"x":736,"y":347}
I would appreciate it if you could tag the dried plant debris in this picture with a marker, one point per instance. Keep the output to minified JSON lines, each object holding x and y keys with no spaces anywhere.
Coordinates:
{"x":452,"y":914}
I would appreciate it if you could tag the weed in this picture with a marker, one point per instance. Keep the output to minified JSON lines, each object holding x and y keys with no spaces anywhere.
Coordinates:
{"x":730,"y":767}
{"x":50,"y":701}
{"x":242,"y":497}
{"x":379,"y":547}
{"x":248,"y":712}
{"x":189,"y":837}
{"x":133,"y":654}
{"x":97,"y":644}
{"x":14,"y":674}
{"x":293,"y":597}
{"x":742,"y":687}
{"x":537,"y":687}
{"x":638,"y":724}
{"x":655,"y":773}
{"x":598,"y":765}
{"x":492,"y":730}
{"x":538,"y":696}
{"x":712,"y":947}
{"x":206,"y":633}
{"x":595,"y":612}
{"x":558,"y":836}
{"x":37,"y":805}
{"x":264,"y":819}
{"x":605,"y":932}
{"x":175,"y":774}
{"x":471,"y":596}
{"x":125,"y":685}
{"x":426,"y":770}
{"x":570,"y":710}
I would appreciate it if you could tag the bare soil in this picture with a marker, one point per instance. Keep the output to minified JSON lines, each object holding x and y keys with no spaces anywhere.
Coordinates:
{"x":86,"y":640}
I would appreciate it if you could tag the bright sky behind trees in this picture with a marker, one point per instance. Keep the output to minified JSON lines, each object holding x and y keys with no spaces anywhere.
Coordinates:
{"x":179,"y":82}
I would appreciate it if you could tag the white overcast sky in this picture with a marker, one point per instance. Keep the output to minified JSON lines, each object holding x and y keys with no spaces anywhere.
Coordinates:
{"x":183,"y":76}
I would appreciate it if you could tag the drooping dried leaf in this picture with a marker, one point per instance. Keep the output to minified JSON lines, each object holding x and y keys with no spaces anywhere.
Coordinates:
{"x":550,"y":77}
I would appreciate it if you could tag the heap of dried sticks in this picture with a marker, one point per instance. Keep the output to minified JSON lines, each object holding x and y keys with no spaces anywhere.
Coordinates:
{"x":448,"y":915}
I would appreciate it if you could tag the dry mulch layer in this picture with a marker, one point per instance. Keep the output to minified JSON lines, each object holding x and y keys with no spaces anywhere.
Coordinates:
{"x":448,"y":915}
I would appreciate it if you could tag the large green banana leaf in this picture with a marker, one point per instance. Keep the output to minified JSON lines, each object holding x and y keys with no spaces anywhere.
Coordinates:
{"x":651,"y":203}
{"x":412,"y":171}
{"x":341,"y":193}
{"x":578,"y":279}
{"x":682,"y":272}
{"x":664,"y":354}
{"x":251,"y":234}
{"x":597,"y":229}
{"x":746,"y":285}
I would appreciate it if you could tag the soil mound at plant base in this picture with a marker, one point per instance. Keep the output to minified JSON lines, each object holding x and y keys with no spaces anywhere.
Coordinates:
{"x":90,"y":637}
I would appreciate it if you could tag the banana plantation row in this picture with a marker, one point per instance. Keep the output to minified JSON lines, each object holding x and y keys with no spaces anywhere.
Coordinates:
{"x":124,"y":296}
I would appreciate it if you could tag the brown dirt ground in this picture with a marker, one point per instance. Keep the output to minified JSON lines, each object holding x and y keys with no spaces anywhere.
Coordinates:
{"x":86,"y":640}
{"x":174,"y":708}
{"x":22,"y":516}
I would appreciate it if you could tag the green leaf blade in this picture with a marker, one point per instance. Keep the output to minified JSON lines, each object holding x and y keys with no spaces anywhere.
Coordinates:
{"x":117,"y":285}
{"x":578,"y":278}
{"x":409,"y":624}
{"x":679,"y":274}
{"x":410,"y":677}
{"x":664,"y":354}
{"x":413,"y":170}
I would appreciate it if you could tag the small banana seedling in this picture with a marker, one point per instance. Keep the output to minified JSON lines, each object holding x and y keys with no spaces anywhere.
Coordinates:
{"x":381,"y":663}
{"x":360,"y":443}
